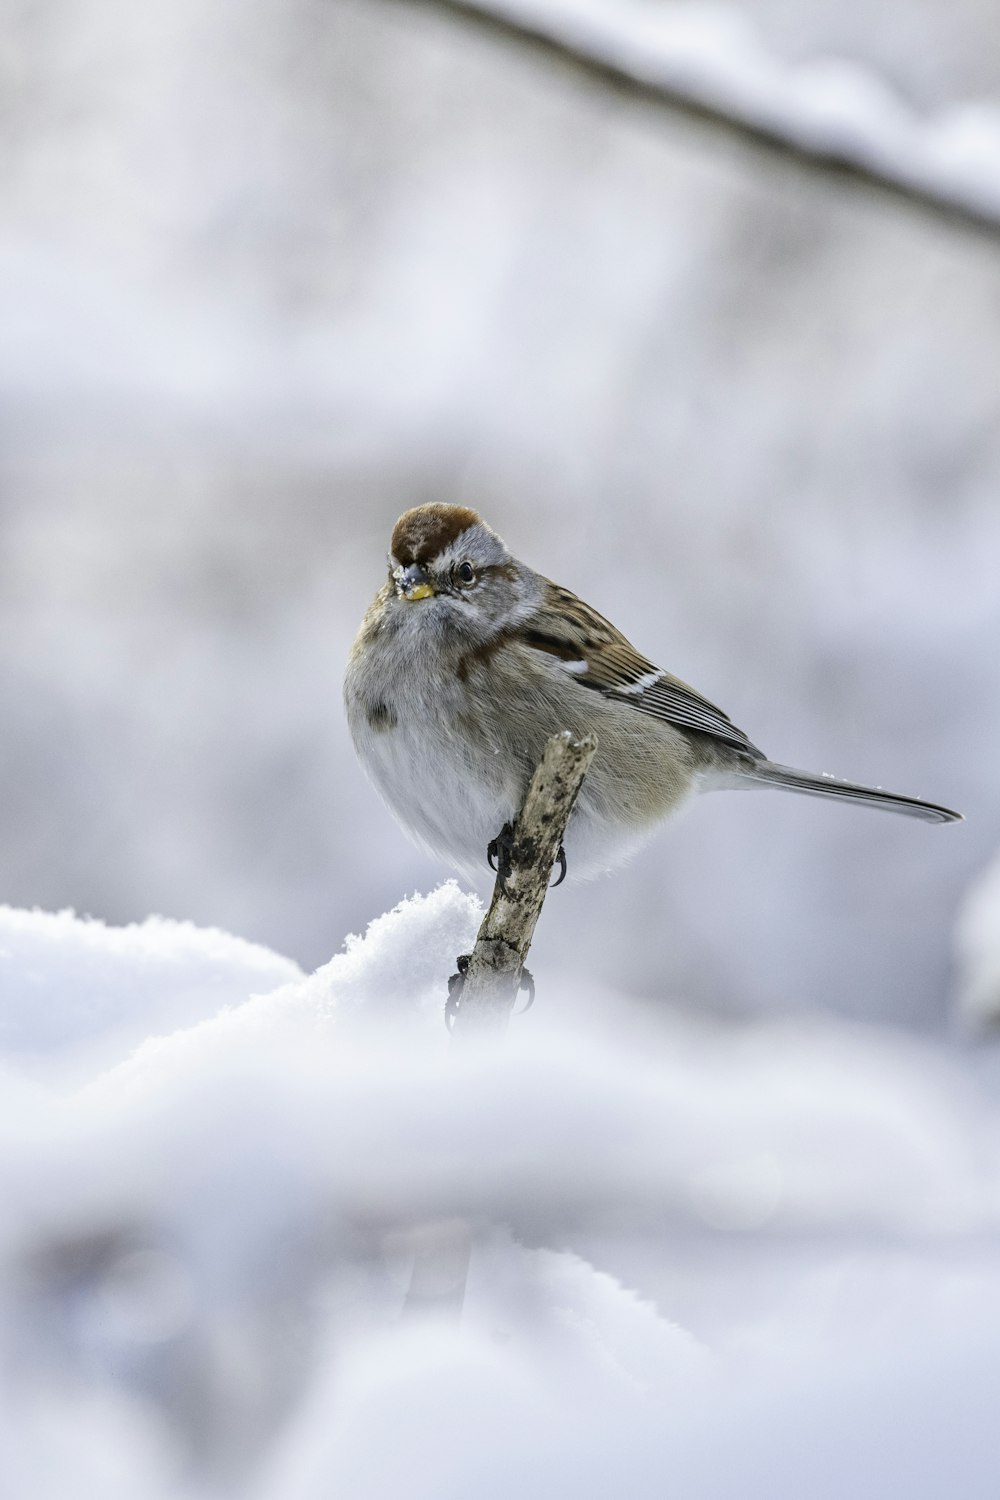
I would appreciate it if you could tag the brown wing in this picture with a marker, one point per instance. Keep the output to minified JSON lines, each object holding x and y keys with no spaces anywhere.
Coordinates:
{"x":600,"y":658}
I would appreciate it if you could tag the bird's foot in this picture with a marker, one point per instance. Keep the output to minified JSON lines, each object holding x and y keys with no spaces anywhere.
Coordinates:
{"x":498,"y":854}
{"x":500,"y":850}
{"x":527,"y":984}
{"x":456,"y":984}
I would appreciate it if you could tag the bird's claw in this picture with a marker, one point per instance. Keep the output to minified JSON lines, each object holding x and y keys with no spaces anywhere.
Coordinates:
{"x":498,"y":855}
{"x":527,"y":984}
{"x":456,"y":984}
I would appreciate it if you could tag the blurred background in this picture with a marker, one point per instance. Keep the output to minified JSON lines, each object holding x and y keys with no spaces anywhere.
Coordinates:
{"x":272,"y":273}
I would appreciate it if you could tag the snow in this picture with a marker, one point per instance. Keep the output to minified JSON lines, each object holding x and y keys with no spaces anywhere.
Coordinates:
{"x":110,"y":987}
{"x":698,"y":1251}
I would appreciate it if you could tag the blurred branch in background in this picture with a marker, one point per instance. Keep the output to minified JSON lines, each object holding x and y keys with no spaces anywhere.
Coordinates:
{"x":831,"y":117}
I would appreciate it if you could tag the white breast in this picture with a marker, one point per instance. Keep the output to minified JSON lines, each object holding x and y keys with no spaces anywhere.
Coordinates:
{"x":450,"y":789}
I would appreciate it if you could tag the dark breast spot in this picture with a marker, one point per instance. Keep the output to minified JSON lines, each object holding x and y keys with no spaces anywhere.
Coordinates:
{"x":420,"y":535}
{"x":381,"y":717}
{"x":482,"y":654}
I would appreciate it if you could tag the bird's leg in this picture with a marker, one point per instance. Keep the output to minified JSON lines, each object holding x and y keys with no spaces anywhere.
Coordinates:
{"x":498,"y":853}
{"x":561,"y":857}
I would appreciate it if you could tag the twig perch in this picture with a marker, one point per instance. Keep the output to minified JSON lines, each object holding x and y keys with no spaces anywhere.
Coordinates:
{"x":495,"y":966}
{"x":491,"y":976}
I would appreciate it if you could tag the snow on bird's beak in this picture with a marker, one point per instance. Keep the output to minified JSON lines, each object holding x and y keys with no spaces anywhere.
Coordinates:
{"x":412,"y":582}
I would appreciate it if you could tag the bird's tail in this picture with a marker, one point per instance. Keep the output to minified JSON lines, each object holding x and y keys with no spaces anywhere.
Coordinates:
{"x":768,"y":773}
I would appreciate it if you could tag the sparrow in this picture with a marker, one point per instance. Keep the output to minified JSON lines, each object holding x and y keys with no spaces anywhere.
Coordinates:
{"x":468,"y":661}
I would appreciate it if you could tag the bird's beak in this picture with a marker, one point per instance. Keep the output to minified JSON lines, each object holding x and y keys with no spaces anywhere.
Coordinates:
{"x":412,"y":582}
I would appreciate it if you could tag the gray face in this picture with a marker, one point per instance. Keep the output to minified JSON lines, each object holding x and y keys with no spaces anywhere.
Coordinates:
{"x":451,"y":572}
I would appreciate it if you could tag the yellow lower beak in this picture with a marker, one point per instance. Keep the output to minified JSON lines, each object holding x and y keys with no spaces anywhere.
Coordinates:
{"x":419,"y":591}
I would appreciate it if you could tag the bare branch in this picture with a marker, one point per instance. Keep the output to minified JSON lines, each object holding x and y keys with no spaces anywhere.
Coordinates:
{"x":910,"y":161}
{"x":490,"y":980}
{"x":496,"y":964}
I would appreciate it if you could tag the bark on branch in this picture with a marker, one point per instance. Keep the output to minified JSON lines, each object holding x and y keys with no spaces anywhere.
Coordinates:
{"x":493,"y":972}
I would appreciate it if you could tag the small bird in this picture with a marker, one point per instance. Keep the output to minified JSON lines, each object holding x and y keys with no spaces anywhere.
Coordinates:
{"x":468,"y":661}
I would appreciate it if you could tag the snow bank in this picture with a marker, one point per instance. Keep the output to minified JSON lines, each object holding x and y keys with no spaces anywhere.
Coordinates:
{"x":68,"y":984}
{"x":677,"y":1230}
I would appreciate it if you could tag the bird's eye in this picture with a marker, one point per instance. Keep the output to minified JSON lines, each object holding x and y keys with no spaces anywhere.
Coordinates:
{"x":465,"y":573}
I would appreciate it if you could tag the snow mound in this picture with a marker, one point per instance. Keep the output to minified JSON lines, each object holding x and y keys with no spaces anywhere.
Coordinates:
{"x":394,"y":973}
{"x":65,"y":981}
{"x":232,"y":1261}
